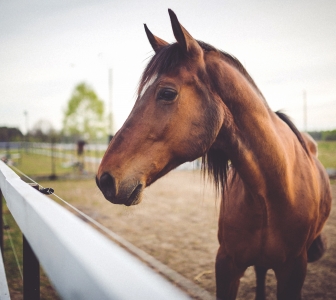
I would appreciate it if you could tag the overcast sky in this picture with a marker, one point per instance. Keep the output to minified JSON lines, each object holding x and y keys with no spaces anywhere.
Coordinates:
{"x":47,"y":47}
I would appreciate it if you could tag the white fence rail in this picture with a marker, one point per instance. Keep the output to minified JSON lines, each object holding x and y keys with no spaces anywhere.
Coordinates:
{"x":79,"y":261}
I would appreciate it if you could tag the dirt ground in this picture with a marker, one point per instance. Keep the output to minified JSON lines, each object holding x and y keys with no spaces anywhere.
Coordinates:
{"x":177,"y":224}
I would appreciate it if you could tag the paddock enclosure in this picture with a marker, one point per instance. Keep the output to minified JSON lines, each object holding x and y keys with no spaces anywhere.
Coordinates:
{"x":177,"y":224}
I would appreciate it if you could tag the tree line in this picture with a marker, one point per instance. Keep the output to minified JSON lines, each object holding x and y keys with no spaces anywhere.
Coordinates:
{"x":84,"y":119}
{"x":328,"y":135}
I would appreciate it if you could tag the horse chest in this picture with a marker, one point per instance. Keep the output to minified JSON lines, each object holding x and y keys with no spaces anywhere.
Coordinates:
{"x":252,"y":232}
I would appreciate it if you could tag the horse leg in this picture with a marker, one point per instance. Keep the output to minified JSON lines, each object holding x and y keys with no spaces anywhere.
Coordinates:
{"x":290,"y":277}
{"x":227,"y":277}
{"x":260,"y":276}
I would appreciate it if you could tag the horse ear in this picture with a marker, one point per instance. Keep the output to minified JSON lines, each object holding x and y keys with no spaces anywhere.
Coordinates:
{"x":183,"y":37}
{"x":156,"y":42}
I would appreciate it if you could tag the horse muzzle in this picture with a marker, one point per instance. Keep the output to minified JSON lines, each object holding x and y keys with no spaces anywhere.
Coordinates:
{"x":127,"y":192}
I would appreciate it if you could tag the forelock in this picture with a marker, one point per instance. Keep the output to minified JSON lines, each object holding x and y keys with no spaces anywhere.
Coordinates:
{"x":166,"y":60}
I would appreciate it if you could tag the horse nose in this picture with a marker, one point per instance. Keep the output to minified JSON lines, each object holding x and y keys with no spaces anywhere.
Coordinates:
{"x":106,"y":183}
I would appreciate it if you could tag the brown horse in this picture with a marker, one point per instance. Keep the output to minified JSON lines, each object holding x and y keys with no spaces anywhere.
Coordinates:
{"x":194,"y":100}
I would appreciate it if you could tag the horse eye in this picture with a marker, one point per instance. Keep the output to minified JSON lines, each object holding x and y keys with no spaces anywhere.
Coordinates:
{"x":167,"y":94}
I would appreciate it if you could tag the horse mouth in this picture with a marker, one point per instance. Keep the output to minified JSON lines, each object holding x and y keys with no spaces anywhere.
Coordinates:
{"x":135,"y":197}
{"x":128,"y":194}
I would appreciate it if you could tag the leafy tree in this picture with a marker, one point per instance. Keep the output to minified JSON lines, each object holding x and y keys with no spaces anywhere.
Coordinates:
{"x":84,"y":115}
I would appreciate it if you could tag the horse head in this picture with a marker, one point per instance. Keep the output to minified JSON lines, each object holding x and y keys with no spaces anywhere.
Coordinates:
{"x":175,"y":119}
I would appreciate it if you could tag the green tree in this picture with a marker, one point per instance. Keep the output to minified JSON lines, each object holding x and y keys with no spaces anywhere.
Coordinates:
{"x":84,"y":115}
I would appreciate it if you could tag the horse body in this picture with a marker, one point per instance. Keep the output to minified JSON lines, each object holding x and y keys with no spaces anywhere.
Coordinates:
{"x":270,"y":212}
{"x":197,"y":101}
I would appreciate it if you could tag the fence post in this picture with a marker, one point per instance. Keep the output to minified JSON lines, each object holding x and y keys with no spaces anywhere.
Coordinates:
{"x":31,"y":273}
{"x":53,"y":175}
{"x":31,"y":270}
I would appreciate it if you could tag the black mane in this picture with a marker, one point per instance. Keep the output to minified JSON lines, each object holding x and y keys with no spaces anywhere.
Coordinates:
{"x":291,"y":125}
{"x":171,"y":56}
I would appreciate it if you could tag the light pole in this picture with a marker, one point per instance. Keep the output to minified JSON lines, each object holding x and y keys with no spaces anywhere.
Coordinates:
{"x":305,"y":111}
{"x":111,"y":127}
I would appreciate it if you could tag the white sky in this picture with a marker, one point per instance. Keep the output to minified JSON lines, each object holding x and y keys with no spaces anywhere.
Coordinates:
{"x":48,"y":46}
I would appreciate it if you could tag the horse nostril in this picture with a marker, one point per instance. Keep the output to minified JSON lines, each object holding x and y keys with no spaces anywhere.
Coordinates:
{"x":107,"y":186}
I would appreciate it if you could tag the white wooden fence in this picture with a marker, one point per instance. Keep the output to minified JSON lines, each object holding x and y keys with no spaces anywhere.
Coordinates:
{"x":79,"y":261}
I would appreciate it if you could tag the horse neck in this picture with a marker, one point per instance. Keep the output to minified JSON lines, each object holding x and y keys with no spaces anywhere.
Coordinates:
{"x":251,"y":136}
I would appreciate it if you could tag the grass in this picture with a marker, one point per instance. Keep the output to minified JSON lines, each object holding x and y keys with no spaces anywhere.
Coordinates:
{"x":327,"y":153}
{"x":36,"y":165}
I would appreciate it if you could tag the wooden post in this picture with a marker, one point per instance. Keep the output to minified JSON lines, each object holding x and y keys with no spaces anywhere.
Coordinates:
{"x":53,"y":175}
{"x":31,"y":273}
{"x":20,"y":153}
{"x":31,"y":270}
